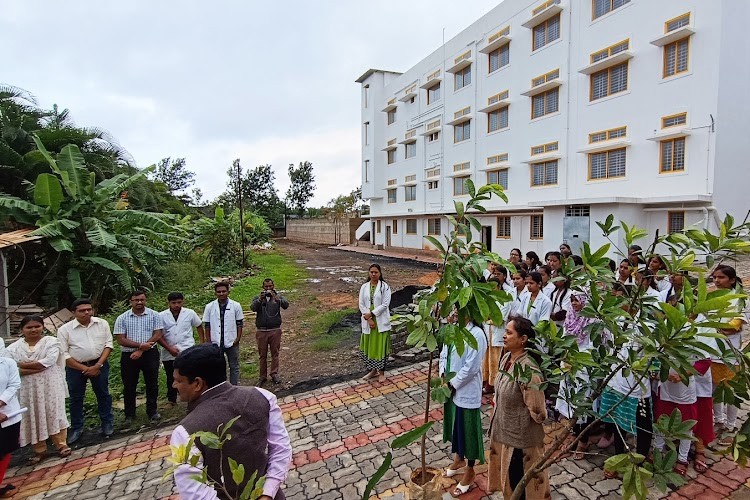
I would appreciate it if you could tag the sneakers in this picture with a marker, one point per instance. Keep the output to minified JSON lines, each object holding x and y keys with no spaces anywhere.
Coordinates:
{"x":155,"y":417}
{"x":276,"y":378}
{"x":108,"y":430}
{"x":128,"y":422}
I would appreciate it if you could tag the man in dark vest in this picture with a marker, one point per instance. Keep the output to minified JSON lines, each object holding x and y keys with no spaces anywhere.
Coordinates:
{"x":259,"y":439}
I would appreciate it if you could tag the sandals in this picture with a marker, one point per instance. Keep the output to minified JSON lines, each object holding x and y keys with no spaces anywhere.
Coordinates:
{"x":700,"y":465}
{"x":610,"y":474}
{"x":580,"y":452}
{"x":37,"y":459}
{"x":681,"y":468}
{"x":65,"y":451}
{"x":460,"y":489}
{"x":452,"y":472}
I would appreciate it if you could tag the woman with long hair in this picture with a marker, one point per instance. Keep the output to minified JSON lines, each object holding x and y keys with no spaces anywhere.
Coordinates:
{"x":43,"y":389}
{"x":725,"y":414}
{"x":375,"y":342}
{"x":535,"y":306}
{"x":561,"y":300}
{"x":547,"y":285}
{"x":532,"y":261}
{"x":516,"y":432}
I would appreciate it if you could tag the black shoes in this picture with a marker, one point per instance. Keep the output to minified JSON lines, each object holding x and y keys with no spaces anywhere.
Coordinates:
{"x":75,"y":436}
{"x":276,"y":378}
{"x":108,"y":430}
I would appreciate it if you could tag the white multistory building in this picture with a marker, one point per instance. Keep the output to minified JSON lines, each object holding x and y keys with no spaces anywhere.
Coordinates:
{"x":579,"y":108}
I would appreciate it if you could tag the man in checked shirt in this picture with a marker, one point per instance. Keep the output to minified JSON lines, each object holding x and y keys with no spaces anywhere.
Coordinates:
{"x":138,"y":330}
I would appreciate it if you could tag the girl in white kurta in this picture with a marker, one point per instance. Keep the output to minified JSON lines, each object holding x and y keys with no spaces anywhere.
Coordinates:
{"x":43,"y":389}
{"x":375,"y":342}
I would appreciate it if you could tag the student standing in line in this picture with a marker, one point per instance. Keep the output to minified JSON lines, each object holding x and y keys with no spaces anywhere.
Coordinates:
{"x":375,"y":341}
{"x":535,"y":306}
{"x":495,"y":333}
{"x":10,"y":426}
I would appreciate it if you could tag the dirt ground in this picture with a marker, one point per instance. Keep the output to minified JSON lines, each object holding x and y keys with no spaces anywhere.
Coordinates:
{"x":333,"y":284}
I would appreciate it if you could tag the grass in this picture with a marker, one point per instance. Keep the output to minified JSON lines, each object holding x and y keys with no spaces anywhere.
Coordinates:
{"x":192,"y":278}
{"x":325,"y":337}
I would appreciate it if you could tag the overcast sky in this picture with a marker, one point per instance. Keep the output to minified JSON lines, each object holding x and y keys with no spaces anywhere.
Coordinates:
{"x":266,"y":82}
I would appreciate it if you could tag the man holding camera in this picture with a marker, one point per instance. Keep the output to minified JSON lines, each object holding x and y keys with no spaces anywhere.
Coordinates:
{"x":267,"y":307}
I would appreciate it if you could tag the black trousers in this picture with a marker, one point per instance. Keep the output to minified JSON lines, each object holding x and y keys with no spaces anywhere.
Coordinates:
{"x":644,"y":430}
{"x":169,"y":370}
{"x":130,"y":370}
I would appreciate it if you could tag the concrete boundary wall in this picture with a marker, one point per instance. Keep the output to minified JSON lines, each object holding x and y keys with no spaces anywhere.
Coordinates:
{"x":323,"y":231}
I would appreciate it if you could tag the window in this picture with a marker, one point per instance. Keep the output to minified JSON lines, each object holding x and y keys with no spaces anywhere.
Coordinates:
{"x":545,"y":103}
{"x":411,"y":226}
{"x":391,"y":156}
{"x":578,"y":211}
{"x":391,"y":116}
{"x":536,"y":231}
{"x":607,"y":164}
{"x":546,"y":32}
{"x":432,"y":185}
{"x":609,"y":81}
{"x":608,"y":135}
{"x":545,"y":148}
{"x":366,"y":94}
{"x":378,"y":225}
{"x":674,"y":120}
{"x":410,"y":150}
{"x":498,"y":177}
{"x":672,"y":155}
{"x":433,"y":137}
{"x":462,"y":78}
{"x":676,"y":57}
{"x":610,"y":51}
{"x":675,"y":222}
{"x":367,"y":133}
{"x":433,"y":93}
{"x":497,"y":120}
{"x":499,"y":58}
{"x":410,"y":193}
{"x":462,"y":131}
{"x":677,"y":23}
{"x":367,"y":170}
{"x":544,"y":173}
{"x":394,"y":224}
{"x":459,"y":186}
{"x":433,"y":226}
{"x":503,"y":226}
{"x":433,"y":172}
{"x":601,"y":7}
{"x":392,"y":197}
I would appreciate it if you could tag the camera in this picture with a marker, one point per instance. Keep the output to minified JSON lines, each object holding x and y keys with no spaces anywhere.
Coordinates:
{"x":267,"y":293}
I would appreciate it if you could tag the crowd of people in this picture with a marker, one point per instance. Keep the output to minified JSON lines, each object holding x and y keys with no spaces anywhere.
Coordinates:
{"x":627,"y":405}
{"x":39,"y":371}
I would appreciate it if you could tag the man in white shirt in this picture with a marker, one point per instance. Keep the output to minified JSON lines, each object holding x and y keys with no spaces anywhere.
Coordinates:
{"x":178,"y":336}
{"x":86,"y":343}
{"x":223,"y":321}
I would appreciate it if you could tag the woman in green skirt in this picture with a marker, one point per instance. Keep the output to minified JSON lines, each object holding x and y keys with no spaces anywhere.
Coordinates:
{"x":375,"y":342}
{"x":462,"y":422}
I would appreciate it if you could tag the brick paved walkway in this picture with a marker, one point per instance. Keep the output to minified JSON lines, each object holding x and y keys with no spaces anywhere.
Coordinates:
{"x":340,"y":434}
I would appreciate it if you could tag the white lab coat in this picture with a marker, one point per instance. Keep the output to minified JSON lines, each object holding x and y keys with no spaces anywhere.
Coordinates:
{"x":381,"y":301}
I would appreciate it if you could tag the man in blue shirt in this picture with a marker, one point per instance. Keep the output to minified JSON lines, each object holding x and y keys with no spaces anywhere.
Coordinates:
{"x":138,"y":331}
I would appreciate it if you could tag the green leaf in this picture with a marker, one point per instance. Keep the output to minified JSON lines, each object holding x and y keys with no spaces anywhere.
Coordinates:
{"x":74,"y":282}
{"x":238,"y":471}
{"x":97,"y":233}
{"x":463,"y":296}
{"x":45,"y":153}
{"x":101,"y":261}
{"x":208,"y":439}
{"x":70,"y":161}
{"x":436,"y":243}
{"x":228,"y":425}
{"x":375,"y":479}
{"x":48,"y":192}
{"x":407,"y":438}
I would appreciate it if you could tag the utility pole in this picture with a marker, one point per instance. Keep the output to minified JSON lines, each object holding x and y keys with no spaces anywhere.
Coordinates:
{"x":242,"y":221}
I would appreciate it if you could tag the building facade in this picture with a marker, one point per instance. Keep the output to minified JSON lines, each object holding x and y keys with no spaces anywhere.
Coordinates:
{"x":579,"y":109}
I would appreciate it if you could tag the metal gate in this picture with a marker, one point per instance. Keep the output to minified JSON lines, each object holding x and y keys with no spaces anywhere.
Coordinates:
{"x":576,"y":227}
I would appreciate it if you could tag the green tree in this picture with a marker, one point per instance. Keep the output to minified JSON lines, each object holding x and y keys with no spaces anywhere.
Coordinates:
{"x":174,"y":174}
{"x":98,"y":244}
{"x":301,"y":187}
{"x":261,"y":195}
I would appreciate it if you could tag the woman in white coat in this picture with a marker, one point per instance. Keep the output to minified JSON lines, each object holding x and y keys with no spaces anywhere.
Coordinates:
{"x":462,"y":422}
{"x":375,"y":342}
{"x":535,"y":306}
{"x":10,"y":418}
